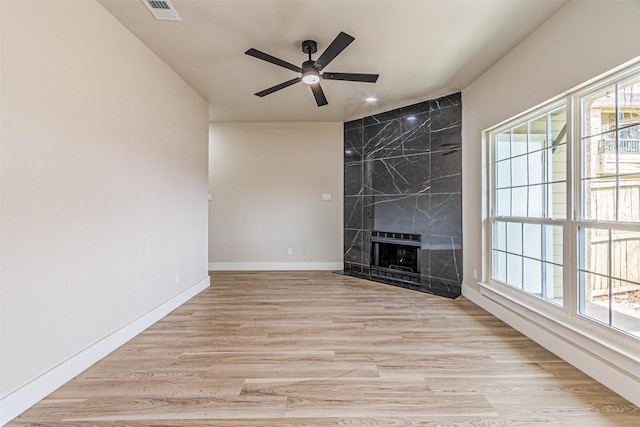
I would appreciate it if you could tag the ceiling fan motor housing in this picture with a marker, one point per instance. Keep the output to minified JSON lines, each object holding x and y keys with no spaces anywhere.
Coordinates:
{"x":310,"y":75}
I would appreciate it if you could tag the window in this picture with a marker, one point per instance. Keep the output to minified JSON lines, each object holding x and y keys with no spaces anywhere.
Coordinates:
{"x":530,"y":179}
{"x":608,"y":235}
{"x":565,"y":205}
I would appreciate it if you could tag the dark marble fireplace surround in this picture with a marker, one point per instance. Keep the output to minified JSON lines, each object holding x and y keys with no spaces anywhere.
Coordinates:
{"x":402,"y":174}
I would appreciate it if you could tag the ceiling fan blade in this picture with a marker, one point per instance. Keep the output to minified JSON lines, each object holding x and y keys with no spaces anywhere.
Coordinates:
{"x":352,"y":77}
{"x":278,"y":87}
{"x":319,"y":95}
{"x":266,"y":57}
{"x":337,"y":45}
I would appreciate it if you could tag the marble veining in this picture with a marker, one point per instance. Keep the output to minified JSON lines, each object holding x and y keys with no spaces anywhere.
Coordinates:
{"x":399,"y":175}
{"x":403,"y":173}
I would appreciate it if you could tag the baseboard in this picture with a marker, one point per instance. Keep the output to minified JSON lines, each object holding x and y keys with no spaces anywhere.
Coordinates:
{"x":612,"y":369}
{"x":28,"y":395}
{"x":274,"y":266}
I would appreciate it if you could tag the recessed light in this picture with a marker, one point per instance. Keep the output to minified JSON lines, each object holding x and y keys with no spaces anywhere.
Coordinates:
{"x":371,"y":99}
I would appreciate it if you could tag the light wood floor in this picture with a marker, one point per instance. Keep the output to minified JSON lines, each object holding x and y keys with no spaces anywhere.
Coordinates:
{"x":320,"y":349}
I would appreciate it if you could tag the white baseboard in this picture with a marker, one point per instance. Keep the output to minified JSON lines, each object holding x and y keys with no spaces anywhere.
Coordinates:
{"x":274,"y":266}
{"x":616,"y":370}
{"x":28,"y":395}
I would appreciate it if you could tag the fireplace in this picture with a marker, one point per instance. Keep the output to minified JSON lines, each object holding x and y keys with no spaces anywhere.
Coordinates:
{"x":395,"y":256}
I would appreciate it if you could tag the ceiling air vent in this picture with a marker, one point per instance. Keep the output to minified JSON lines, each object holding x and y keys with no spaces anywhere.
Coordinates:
{"x":162,"y":9}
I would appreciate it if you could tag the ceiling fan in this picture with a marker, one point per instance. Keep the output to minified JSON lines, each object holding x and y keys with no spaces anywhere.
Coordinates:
{"x":311,"y":71}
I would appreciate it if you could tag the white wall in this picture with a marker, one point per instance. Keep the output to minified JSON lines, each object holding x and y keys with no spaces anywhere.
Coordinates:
{"x":104,"y":185}
{"x":266,"y":181}
{"x":583,"y":40}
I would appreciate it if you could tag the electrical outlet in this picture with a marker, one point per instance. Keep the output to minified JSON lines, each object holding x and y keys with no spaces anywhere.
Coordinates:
{"x":289,"y":251}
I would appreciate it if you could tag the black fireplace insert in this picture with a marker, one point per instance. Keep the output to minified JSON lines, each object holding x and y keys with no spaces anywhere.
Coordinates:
{"x":395,"y":256}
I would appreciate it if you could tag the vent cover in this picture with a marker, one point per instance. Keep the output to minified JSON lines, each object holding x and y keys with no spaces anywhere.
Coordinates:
{"x":162,"y":9}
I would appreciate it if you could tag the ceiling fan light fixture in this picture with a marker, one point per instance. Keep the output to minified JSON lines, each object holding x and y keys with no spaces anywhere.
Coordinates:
{"x":310,"y":77}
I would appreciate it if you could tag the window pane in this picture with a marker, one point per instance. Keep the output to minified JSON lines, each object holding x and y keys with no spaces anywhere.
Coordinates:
{"x":519,"y":201}
{"x":519,"y":171}
{"x":553,"y":283}
{"x":599,"y":112}
{"x":559,"y":126}
{"x":629,"y":149}
{"x":533,"y":276}
{"x":558,"y":200}
{"x":538,"y":133}
{"x":599,"y":199}
{"x":500,"y":266}
{"x":599,"y":156}
{"x":594,"y":243}
{"x":500,"y":235}
{"x":514,"y":270}
{"x":503,"y":174}
{"x":594,"y":297}
{"x":536,"y":167}
{"x":503,"y":145}
{"x":629,"y":196}
{"x":536,"y":201}
{"x":514,"y":238}
{"x":553,"y":239}
{"x":629,"y":102}
{"x":625,"y":307}
{"x":503,"y":202}
{"x":557,"y":164}
{"x":532,"y":240}
{"x":625,"y":257}
{"x":519,"y":140}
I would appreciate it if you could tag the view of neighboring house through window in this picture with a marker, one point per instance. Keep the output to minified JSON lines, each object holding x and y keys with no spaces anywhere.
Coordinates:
{"x":609,"y":236}
{"x":586,"y":245}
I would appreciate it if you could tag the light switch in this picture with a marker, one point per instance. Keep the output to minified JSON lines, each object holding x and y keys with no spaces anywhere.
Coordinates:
{"x":210,"y":196}
{"x":326,"y":196}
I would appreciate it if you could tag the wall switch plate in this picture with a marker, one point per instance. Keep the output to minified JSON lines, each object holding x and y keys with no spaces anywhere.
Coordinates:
{"x":326,"y":197}
{"x":210,"y":196}
{"x":289,"y":251}
{"x":475,"y":274}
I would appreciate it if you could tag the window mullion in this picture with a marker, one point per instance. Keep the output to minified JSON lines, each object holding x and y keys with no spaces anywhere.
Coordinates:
{"x":572,"y":201}
{"x":617,"y":190}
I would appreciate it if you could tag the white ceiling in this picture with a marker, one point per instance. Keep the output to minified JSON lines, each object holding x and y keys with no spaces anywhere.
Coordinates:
{"x":422,"y":49}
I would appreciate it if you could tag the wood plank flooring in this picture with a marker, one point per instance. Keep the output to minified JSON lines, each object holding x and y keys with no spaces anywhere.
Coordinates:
{"x":320,"y":349}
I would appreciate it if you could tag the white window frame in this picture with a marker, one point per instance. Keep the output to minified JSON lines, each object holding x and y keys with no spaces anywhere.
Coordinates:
{"x":578,"y":218}
{"x":536,"y":303}
{"x":546,"y":312}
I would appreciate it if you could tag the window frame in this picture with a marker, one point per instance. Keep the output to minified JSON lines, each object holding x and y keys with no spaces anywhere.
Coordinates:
{"x":520,"y":120}
{"x":569,"y":313}
{"x":579,"y":220}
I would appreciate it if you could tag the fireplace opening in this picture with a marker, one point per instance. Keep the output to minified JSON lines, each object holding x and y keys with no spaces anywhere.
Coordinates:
{"x":395,"y":256}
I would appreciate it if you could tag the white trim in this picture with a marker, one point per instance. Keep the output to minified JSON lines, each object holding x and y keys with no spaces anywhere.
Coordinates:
{"x":612,"y":367}
{"x":274,"y":266}
{"x":28,"y":395}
